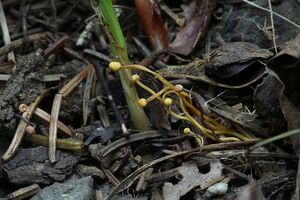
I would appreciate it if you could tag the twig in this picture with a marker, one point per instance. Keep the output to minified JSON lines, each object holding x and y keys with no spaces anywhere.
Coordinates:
{"x":25,"y":192}
{"x":53,"y":126}
{"x":273,"y":28}
{"x":64,"y":92}
{"x":19,"y":42}
{"x":97,"y":54}
{"x":21,"y":129}
{"x":278,"y":15}
{"x":87,"y":95}
{"x":55,"y":46}
{"x":45,"y":117}
{"x":122,"y":142}
{"x":5,"y":33}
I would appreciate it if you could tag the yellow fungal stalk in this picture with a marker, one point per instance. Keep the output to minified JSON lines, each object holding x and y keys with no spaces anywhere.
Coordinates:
{"x":212,"y":129}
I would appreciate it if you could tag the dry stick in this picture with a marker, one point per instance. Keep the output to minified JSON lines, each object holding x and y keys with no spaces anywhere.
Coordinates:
{"x":278,"y":15}
{"x":273,"y":28}
{"x":19,"y":42}
{"x":55,"y":46}
{"x":134,"y":138}
{"x":110,"y":176}
{"x":20,"y":132}
{"x":25,"y":192}
{"x":87,"y":95}
{"x":44,"y":116}
{"x":5,"y":32}
{"x":64,"y":92}
{"x":53,"y":127}
{"x":98,"y":55}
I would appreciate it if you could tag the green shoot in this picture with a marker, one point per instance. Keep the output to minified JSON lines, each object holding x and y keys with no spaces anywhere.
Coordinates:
{"x":106,"y":13}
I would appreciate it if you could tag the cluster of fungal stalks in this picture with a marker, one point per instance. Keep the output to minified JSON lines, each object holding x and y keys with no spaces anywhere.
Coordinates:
{"x":208,"y":126}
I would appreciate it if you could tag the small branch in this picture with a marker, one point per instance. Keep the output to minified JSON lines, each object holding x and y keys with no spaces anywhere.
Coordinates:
{"x":21,"y":129}
{"x":5,"y":33}
{"x":273,"y":28}
{"x":53,"y":127}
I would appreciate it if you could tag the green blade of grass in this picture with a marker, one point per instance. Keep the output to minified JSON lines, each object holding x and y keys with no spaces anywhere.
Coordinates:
{"x":106,"y":13}
{"x":275,"y":138}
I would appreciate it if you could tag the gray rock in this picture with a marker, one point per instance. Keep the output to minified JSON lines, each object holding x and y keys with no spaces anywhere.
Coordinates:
{"x":79,"y":189}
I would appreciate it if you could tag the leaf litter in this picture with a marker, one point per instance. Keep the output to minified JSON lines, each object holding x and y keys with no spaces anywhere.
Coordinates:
{"x":237,"y":65}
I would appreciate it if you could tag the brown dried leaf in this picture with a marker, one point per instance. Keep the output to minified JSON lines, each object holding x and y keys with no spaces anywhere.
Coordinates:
{"x":187,"y":39}
{"x":152,"y":22}
{"x":192,"y":178}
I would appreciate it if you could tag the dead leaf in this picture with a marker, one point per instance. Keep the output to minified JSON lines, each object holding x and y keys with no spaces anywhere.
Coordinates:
{"x":187,"y":39}
{"x":152,"y":22}
{"x":267,"y":105}
{"x":192,"y":178}
{"x":286,"y":64}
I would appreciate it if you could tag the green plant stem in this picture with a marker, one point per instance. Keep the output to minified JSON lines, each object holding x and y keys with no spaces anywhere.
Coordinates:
{"x":275,"y":138}
{"x":105,"y":11}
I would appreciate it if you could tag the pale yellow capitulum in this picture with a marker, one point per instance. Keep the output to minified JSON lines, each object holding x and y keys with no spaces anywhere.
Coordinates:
{"x":114,"y":66}
{"x":178,"y":88}
{"x":168,"y":101}
{"x":135,"y":78}
{"x":186,"y":131}
{"x":142,"y":102}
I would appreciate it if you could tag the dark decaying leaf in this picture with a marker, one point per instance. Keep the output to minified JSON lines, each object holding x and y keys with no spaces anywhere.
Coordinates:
{"x":237,"y":52}
{"x":287,"y":67}
{"x":152,"y":23}
{"x":187,"y":39}
{"x":237,"y":63}
{"x":267,"y":104}
{"x":195,"y":71}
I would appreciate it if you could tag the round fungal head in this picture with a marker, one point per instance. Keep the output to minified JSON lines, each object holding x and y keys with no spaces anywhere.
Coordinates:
{"x":23,"y":108}
{"x":168,"y":101}
{"x":178,"y":88}
{"x":142,"y":102}
{"x":186,"y":131}
{"x":114,"y":66}
{"x":135,"y":78}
